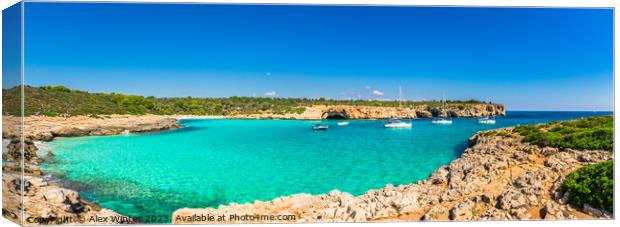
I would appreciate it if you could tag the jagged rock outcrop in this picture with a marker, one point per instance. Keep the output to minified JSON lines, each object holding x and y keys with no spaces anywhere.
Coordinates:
{"x":497,"y":178}
{"x":14,"y":152}
{"x":46,"y":204}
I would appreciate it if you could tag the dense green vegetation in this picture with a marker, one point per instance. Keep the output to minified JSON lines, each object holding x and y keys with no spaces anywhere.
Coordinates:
{"x":591,"y":184}
{"x":60,"y":100}
{"x":594,"y":133}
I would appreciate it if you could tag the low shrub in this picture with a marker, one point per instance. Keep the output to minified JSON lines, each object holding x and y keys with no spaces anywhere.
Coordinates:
{"x":591,"y":184}
{"x":593,"y":133}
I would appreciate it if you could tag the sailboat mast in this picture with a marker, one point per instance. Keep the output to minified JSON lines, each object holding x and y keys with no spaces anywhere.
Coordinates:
{"x":400,"y":96}
{"x":443,"y":100}
{"x":400,"y":100}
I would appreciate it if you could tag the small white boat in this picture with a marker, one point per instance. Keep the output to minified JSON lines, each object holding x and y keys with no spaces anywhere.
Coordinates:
{"x":397,"y":123}
{"x":320,"y":127}
{"x":442,"y":121}
{"x":343,"y":123}
{"x":486,"y":121}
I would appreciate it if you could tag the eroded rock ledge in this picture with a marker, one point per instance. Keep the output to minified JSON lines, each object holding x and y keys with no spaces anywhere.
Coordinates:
{"x":496,"y":178}
{"x":46,"y":128}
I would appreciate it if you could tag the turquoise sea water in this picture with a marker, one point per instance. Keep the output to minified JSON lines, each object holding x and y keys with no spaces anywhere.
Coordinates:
{"x":213,"y":162}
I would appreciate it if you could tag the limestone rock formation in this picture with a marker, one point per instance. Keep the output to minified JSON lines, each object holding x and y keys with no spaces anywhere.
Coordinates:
{"x":44,"y":203}
{"x":41,"y":128}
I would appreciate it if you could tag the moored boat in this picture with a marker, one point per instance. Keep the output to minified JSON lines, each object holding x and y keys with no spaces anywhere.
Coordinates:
{"x":442,"y":121}
{"x":486,"y":120}
{"x":320,"y":127}
{"x":397,"y":123}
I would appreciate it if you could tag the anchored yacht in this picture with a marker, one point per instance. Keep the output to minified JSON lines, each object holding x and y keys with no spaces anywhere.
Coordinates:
{"x":486,"y":120}
{"x":397,"y":122}
{"x":320,"y":127}
{"x":441,"y":120}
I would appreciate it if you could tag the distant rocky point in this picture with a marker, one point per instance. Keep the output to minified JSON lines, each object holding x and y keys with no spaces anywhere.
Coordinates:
{"x":318,"y":112}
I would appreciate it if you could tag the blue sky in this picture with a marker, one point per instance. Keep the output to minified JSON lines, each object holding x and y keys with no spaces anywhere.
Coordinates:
{"x":11,"y":46}
{"x":526,"y":58}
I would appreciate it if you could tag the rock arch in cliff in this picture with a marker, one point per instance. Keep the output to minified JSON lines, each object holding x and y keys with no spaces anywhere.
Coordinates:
{"x":332,"y":114}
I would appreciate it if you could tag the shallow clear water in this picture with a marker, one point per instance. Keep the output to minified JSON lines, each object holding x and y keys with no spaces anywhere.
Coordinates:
{"x":213,"y":162}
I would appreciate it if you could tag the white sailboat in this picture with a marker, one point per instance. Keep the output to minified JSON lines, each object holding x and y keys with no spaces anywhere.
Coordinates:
{"x":486,"y":120}
{"x":320,"y":127}
{"x":441,"y":120}
{"x":397,"y":122}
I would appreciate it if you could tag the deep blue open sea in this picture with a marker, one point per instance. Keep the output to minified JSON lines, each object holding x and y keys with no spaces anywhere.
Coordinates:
{"x":213,"y":162}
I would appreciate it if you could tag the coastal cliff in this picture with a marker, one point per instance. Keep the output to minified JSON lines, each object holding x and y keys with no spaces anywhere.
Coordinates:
{"x":498,"y":177}
{"x":317,"y":112}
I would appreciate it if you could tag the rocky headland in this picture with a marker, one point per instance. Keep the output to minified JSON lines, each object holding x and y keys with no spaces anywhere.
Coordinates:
{"x":498,"y":177}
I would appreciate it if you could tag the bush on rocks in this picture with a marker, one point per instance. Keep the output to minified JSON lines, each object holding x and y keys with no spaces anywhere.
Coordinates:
{"x":591,"y":184}
{"x":593,"y":133}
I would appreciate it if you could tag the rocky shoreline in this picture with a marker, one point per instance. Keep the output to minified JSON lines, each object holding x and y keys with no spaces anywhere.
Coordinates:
{"x":497,"y":178}
{"x":46,"y":203}
{"x":42,"y":128}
